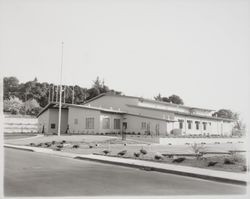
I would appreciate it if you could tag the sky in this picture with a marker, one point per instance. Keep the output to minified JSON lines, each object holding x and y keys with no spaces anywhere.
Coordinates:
{"x":197,"y":49}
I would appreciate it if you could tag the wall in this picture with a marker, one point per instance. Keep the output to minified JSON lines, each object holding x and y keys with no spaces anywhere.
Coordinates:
{"x":115,"y":102}
{"x":111,"y":117}
{"x":53,"y":119}
{"x":135,"y":122}
{"x":43,"y":120}
{"x":20,"y":124}
{"x":80,"y":115}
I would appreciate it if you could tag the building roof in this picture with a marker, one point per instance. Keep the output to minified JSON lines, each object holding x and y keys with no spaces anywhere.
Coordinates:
{"x":181,"y":113}
{"x":66,"y":106}
{"x":149,"y":100}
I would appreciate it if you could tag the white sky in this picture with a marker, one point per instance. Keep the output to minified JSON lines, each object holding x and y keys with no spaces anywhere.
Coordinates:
{"x":197,"y":49}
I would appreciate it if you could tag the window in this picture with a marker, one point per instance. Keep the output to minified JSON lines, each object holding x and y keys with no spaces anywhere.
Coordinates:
{"x":75,"y":121}
{"x":157,"y":129}
{"x":117,"y":124}
{"x":204,"y":126}
{"x":89,"y":123}
{"x":197,"y":124}
{"x":53,"y":126}
{"x":143,"y":125}
{"x":106,"y":123}
{"x":180,"y":124}
{"x":189,"y":124}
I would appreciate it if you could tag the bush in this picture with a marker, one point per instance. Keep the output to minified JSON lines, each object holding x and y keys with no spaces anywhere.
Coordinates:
{"x":178,"y":160}
{"x":211,"y":163}
{"x":75,"y":146}
{"x":228,"y":161}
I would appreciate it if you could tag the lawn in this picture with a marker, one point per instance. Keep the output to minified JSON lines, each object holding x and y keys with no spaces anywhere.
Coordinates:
{"x":89,"y":144}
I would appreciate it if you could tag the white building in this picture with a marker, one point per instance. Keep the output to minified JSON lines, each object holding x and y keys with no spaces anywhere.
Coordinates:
{"x":108,"y":113}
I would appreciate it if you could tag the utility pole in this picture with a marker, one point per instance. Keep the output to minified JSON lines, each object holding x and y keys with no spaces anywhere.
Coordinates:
{"x":57,"y":93}
{"x":73,"y":95}
{"x":64,"y":94}
{"x":49,"y":95}
{"x":60,"y":98}
{"x":53,"y":93}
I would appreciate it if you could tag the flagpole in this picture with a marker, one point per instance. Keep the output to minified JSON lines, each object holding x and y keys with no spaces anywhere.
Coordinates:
{"x":60,"y":98}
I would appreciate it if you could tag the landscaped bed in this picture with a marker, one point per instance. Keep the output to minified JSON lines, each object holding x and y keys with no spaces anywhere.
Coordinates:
{"x":217,"y":156}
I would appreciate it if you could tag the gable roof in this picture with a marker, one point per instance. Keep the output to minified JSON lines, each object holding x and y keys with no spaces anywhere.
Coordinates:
{"x":66,"y":106}
{"x":148,"y":100}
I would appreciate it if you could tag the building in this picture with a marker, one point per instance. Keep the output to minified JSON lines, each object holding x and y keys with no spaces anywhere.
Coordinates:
{"x":108,"y":113}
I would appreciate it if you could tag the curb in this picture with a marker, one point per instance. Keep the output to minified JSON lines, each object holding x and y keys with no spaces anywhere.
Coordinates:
{"x":132,"y":165}
{"x":18,"y":148}
{"x":149,"y":168}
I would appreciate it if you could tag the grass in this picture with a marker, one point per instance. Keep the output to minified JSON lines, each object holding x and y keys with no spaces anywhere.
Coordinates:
{"x":89,"y":144}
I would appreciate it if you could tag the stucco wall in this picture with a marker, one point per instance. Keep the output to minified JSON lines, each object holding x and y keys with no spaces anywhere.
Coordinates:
{"x":135,"y":125}
{"x":111,"y":117}
{"x":115,"y":102}
{"x":53,"y":119}
{"x":80,"y":115}
{"x":43,"y":120}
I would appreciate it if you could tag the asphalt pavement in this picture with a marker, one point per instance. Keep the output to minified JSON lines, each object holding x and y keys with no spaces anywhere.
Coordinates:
{"x":36,"y":174}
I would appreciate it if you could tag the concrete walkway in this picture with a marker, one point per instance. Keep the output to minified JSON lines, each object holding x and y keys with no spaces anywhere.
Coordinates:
{"x":223,"y":176}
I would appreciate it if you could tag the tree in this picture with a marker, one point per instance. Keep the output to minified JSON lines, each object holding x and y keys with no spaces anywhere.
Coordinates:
{"x":226,"y":113}
{"x":10,"y":86}
{"x":32,"y":107}
{"x":158,"y":97}
{"x":14,"y":105}
{"x":175,"y":99}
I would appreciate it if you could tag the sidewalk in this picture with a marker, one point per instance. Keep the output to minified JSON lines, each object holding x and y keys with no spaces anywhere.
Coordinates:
{"x":207,"y":174}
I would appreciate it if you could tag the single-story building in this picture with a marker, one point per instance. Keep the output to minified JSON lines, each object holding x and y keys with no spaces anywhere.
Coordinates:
{"x":108,"y":113}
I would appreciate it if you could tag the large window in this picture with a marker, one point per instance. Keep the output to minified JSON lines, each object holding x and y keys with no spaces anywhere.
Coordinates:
{"x":204,"y":126}
{"x":106,"y":123}
{"x":180,"y":124}
{"x":143,"y":125}
{"x":90,"y":123}
{"x":117,"y":124}
{"x":197,"y":124}
{"x":157,"y":129}
{"x":53,"y":126}
{"x":189,"y":124}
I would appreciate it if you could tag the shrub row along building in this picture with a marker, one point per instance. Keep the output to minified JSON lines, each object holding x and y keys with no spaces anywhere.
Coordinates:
{"x":108,"y":113}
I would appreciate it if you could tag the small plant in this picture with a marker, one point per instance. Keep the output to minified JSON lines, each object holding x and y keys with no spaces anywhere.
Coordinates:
{"x":32,"y":144}
{"x":178,"y":160}
{"x":53,"y":142}
{"x":106,"y":152}
{"x":244,"y":168}
{"x":228,"y":161}
{"x":58,"y":149}
{"x":137,"y":155}
{"x":90,"y":146}
{"x":122,"y":153}
{"x":211,"y":163}
{"x":197,"y":149}
{"x":158,"y":157}
{"x":39,"y":145}
{"x":143,"y":151}
{"x":75,"y":146}
{"x":63,"y":142}
{"x":59,"y":146}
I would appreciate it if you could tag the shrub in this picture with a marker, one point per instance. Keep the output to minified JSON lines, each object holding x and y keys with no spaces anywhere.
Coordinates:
{"x":122,"y":153}
{"x":53,"y":142}
{"x":244,"y":168}
{"x":106,"y":152}
{"x":158,"y":157}
{"x":64,"y":141}
{"x":75,"y":146}
{"x":136,"y":154}
{"x":32,"y":144}
{"x":228,"y":161}
{"x":178,"y":160}
{"x":211,"y":163}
